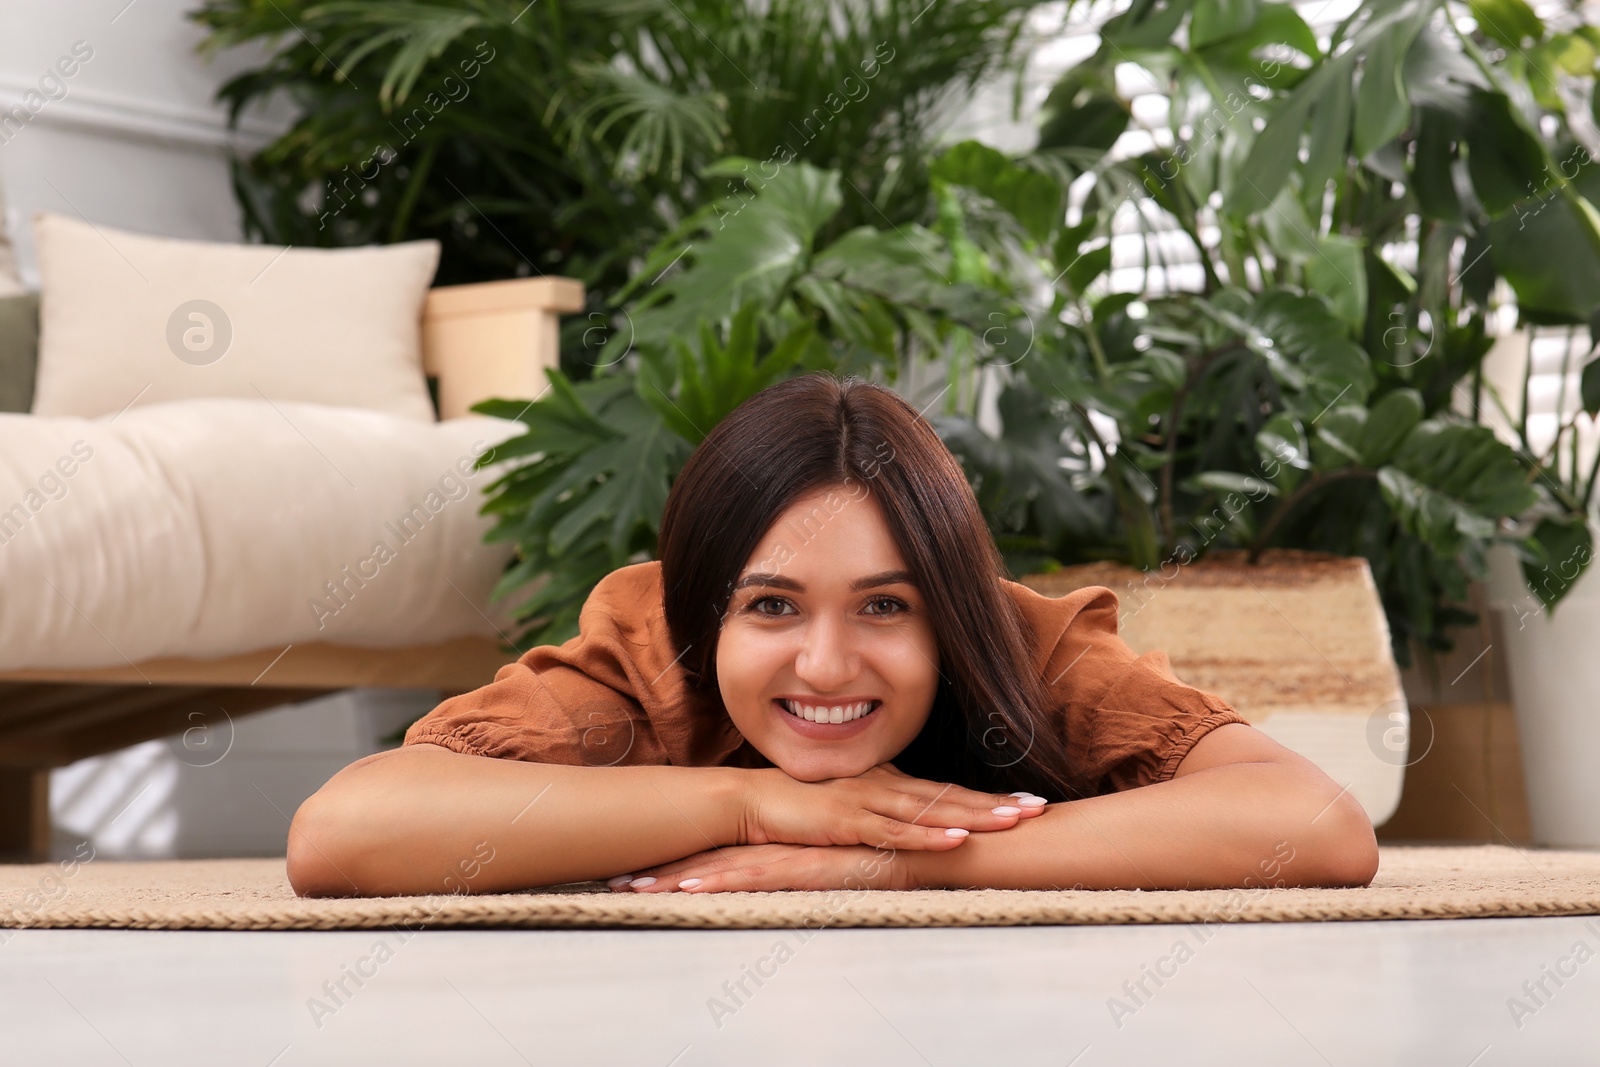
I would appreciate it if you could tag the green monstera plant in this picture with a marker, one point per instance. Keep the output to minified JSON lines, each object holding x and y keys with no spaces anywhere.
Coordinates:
{"x":1347,"y":207}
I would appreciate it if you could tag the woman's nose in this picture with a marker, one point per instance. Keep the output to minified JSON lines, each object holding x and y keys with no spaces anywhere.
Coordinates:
{"x":826,"y":660}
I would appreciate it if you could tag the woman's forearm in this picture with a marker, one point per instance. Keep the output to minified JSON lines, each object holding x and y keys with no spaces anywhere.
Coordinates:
{"x":423,"y":819}
{"x":1238,"y":825}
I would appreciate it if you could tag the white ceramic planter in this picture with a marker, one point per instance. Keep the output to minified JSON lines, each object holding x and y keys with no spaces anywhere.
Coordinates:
{"x":1553,"y":658}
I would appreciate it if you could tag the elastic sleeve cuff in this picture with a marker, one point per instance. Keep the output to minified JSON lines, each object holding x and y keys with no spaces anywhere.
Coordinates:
{"x":450,"y":739}
{"x":1220,"y":715}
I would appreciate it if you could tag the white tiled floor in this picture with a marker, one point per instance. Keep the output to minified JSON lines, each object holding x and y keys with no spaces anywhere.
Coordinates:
{"x":1356,"y":993}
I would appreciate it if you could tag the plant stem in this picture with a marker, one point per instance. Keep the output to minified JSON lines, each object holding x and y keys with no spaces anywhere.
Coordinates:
{"x":1588,"y":488}
{"x":1527,"y":376}
{"x":1142,"y":551}
{"x":1102,"y":366}
{"x":1477,"y":392}
{"x":1189,"y":226}
{"x":1171,"y":443}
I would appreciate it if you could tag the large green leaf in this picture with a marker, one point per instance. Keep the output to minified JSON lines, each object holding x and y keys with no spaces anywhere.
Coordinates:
{"x":1273,"y":153}
{"x":1338,"y":272}
{"x":1033,"y":198}
{"x":1511,"y":22}
{"x":707,"y":381}
{"x":1438,"y":76}
{"x":748,"y":248}
{"x":1271,"y":24}
{"x":1549,"y":251}
{"x":1390,"y":422}
{"x":905,"y":268}
{"x":1382,"y":110}
{"x":1315,"y":343}
{"x":1469,"y":463}
{"x":1145,"y":24}
{"x":586,"y":500}
{"x":1086,"y":268}
{"x":560,"y":422}
{"x":1083,"y":113}
{"x":1233,"y":482}
{"x":1564,"y":550}
{"x":1018,"y":478}
{"x":1216,"y":20}
{"x":1503,"y":157}
{"x":1330,"y":129}
{"x":1283,"y":441}
{"x":1590,"y":387}
{"x":1340,"y":431}
{"x":1441,"y":522}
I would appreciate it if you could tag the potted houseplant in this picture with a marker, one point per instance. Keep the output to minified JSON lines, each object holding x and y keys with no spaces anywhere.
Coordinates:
{"x":1553,"y":674}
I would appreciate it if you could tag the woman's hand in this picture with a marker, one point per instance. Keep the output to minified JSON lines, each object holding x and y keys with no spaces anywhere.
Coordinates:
{"x":766,"y":868}
{"x":882,"y":807}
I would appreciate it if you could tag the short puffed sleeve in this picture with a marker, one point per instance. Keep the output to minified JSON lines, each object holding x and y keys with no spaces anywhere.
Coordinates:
{"x":611,"y":696}
{"x":1128,"y":720}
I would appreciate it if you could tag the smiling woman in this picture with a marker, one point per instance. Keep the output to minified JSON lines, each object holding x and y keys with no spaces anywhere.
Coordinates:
{"x":827,"y":680}
{"x":849,"y":561}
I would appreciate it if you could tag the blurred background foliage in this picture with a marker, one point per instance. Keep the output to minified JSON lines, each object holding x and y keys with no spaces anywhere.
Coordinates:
{"x":567,"y":136}
{"x":752,"y":191}
{"x":1352,"y":203}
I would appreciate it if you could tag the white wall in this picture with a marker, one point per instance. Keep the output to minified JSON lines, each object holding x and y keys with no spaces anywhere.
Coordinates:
{"x":133,"y":140}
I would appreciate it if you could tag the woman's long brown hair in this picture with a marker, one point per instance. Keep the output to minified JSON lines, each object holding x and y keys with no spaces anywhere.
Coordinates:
{"x":993,"y":726}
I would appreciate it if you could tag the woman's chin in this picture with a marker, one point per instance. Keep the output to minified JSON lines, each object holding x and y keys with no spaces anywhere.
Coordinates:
{"x":814,"y":767}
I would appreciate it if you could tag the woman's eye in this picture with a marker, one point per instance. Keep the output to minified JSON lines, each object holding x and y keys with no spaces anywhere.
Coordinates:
{"x":891,"y":601}
{"x":755,"y":605}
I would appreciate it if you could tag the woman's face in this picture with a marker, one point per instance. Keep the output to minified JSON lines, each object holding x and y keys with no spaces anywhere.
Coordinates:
{"x":819,"y":616}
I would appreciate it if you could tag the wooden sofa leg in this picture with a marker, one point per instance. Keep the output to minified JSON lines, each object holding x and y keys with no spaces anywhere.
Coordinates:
{"x":24,"y":814}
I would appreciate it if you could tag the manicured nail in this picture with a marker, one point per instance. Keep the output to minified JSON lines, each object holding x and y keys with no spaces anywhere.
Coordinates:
{"x":1033,"y":802}
{"x":1007,"y":810}
{"x":619,"y":881}
{"x":955,"y":831}
{"x":688,"y":883}
{"x":640,"y":883}
{"x":1020,"y":793}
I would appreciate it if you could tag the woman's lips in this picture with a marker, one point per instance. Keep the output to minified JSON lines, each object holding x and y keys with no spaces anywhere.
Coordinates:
{"x":830,"y":731}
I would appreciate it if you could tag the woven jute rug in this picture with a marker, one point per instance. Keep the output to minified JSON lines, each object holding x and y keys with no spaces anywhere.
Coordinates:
{"x":1413,"y":882}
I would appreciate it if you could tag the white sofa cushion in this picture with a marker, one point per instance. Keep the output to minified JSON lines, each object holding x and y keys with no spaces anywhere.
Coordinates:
{"x":204,"y":528}
{"x":126,"y":317}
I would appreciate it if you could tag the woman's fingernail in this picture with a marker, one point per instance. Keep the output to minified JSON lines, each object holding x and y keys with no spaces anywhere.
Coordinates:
{"x":640,"y":883}
{"x":1020,"y":793}
{"x":1007,"y":810}
{"x":955,"y":831}
{"x":688,"y":883}
{"x":619,"y":881}
{"x":1033,"y":802}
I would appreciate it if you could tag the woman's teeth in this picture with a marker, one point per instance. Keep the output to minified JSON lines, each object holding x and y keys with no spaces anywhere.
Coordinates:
{"x":842,"y":713}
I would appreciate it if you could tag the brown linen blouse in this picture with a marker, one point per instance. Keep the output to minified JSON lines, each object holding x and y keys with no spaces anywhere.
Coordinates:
{"x":615,"y":695}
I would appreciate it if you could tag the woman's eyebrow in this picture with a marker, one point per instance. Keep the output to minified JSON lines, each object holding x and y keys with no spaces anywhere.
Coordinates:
{"x":871,"y":581}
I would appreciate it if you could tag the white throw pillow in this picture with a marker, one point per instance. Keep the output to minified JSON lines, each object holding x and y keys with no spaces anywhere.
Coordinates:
{"x":125,"y":317}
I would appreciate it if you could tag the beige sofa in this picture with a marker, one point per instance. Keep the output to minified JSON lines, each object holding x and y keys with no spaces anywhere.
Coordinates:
{"x":492,"y":339}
